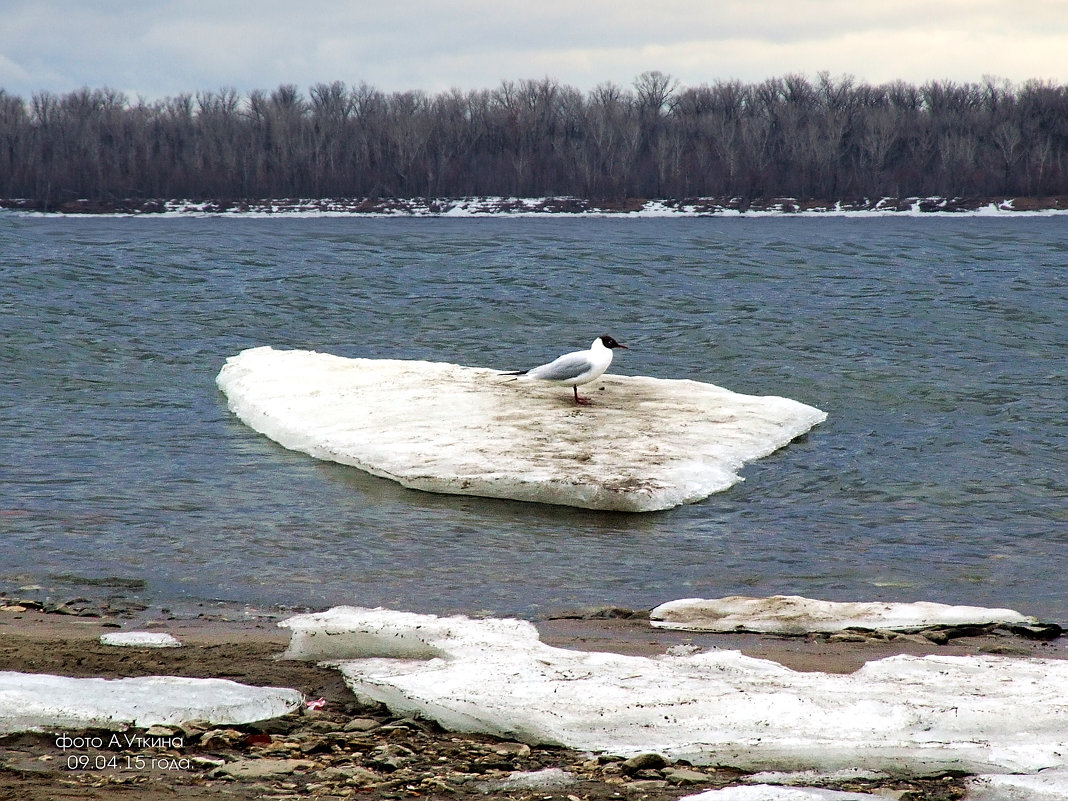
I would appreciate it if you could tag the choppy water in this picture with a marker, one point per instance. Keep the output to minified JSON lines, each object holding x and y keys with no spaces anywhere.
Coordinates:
{"x":938,"y":347}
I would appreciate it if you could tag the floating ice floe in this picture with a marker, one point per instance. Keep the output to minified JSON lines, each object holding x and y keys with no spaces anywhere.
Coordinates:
{"x":902,"y":715}
{"x":645,"y":444}
{"x":792,"y":614}
{"x":140,"y":639}
{"x":34,"y":701}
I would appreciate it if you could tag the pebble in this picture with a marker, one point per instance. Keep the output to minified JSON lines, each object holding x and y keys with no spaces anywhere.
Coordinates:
{"x":848,"y":636}
{"x":221,"y":737}
{"x":511,"y":749}
{"x":1038,"y":631}
{"x":362,"y":724}
{"x":314,"y":745}
{"x":546,"y":779}
{"x":193,"y":728}
{"x":161,"y":731}
{"x":1007,"y":650}
{"x":685,"y":776}
{"x":648,"y":761}
{"x":916,"y":638}
{"x":645,"y":785}
{"x":259,"y":768}
{"x":205,"y":763}
{"x":352,"y":773}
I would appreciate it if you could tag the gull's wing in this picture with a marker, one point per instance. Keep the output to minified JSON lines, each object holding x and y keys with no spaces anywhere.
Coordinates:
{"x":568,"y":366}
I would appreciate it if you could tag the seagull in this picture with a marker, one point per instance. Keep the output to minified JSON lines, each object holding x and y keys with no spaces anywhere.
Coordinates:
{"x":574,"y":369}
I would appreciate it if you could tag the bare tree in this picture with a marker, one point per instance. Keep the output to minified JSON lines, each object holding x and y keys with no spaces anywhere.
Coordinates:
{"x":830,"y":138}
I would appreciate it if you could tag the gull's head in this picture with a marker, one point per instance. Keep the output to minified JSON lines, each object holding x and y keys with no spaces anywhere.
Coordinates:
{"x":610,"y":342}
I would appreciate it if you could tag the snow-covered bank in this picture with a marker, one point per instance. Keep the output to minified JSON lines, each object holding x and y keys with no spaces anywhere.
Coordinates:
{"x":565,"y":206}
{"x":30,"y":701}
{"x":645,"y":444}
{"x":901,"y":715}
{"x":792,"y":614}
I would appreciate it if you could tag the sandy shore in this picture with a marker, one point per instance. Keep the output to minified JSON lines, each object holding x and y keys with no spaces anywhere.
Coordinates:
{"x":346,"y":749}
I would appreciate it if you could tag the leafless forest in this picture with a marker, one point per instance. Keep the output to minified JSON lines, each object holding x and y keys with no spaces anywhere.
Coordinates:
{"x":784,"y":137}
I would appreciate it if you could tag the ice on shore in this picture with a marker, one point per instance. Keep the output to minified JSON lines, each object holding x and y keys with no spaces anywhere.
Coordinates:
{"x":646,"y":443}
{"x":767,"y":792}
{"x":1049,"y":785}
{"x":140,"y":639}
{"x":35,"y":701}
{"x":793,"y":614}
{"x":903,"y":715}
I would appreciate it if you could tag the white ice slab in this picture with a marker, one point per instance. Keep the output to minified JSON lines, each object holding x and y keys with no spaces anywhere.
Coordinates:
{"x":140,"y":639}
{"x":645,"y":444}
{"x":34,"y":701}
{"x":1049,"y":785}
{"x":902,"y":715}
{"x":792,"y":614}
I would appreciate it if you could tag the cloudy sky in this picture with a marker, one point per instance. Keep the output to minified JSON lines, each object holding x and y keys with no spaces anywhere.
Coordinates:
{"x":159,"y":49}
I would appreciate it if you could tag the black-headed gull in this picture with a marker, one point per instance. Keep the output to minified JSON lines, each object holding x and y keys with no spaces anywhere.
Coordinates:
{"x":574,"y":369}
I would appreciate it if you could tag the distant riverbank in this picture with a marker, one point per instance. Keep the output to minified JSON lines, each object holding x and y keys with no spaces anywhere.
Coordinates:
{"x":557,"y":206}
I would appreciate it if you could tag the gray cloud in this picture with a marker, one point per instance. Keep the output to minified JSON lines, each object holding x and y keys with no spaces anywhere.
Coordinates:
{"x":156,"y":50}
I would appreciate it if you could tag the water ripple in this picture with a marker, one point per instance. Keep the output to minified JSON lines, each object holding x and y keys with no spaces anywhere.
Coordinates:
{"x":938,"y":349}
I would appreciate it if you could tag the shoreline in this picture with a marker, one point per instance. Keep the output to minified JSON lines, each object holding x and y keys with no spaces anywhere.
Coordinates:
{"x":348,"y":748}
{"x":548,"y":207}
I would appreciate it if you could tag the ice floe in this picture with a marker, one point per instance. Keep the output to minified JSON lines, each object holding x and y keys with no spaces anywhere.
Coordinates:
{"x":793,"y":614}
{"x":646,"y":443}
{"x":903,"y":715}
{"x":34,"y":701}
{"x":140,"y":639}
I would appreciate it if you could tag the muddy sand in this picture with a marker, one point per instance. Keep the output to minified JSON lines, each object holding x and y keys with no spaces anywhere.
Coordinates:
{"x":346,"y":750}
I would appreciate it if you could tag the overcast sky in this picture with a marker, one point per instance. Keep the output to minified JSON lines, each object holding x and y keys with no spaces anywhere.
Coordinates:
{"x":158,"y":49}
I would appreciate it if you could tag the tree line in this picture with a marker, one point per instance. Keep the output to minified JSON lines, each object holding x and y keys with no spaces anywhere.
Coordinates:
{"x":829,"y":138}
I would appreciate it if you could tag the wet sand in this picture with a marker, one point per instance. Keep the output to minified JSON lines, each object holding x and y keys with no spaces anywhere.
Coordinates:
{"x":346,"y":749}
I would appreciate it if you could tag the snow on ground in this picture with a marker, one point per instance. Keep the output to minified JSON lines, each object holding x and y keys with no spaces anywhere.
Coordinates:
{"x":903,"y":715}
{"x":571,"y":207}
{"x":645,"y":444}
{"x":792,"y":614}
{"x":563,"y":207}
{"x":33,"y":701}
{"x":766,"y":792}
{"x":140,"y":639}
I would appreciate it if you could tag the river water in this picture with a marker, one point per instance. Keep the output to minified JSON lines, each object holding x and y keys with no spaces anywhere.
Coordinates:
{"x":937,"y":345}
